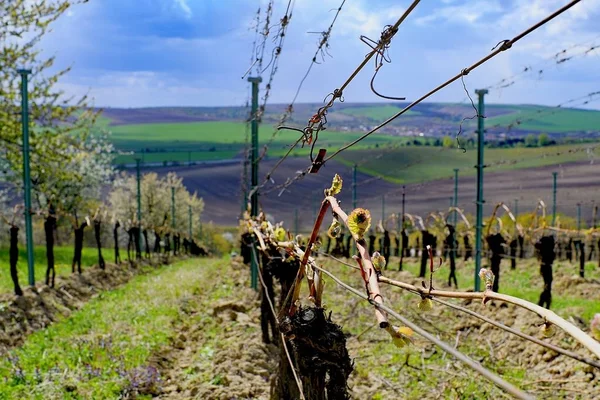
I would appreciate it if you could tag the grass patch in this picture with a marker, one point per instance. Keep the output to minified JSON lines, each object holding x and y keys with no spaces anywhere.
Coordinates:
{"x":102,"y":351}
{"x":63,"y":256}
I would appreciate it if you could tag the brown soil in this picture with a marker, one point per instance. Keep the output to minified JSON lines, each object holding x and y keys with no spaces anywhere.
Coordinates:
{"x":218,"y":354}
{"x":548,"y":374}
{"x":224,"y":361}
{"x":585,"y":287}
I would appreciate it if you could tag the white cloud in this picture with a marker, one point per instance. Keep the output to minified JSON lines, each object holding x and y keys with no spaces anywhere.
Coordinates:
{"x":470,"y":12}
{"x":359,"y":19}
{"x":565,"y":31}
{"x":206,"y":70}
{"x":184,"y":6}
{"x":146,"y":89}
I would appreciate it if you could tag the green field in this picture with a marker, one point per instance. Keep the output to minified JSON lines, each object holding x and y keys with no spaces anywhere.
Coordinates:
{"x":63,"y":256}
{"x":201,"y":141}
{"x":173,"y":134}
{"x":418,"y":164}
{"x":215,"y":133}
{"x":550,"y":120}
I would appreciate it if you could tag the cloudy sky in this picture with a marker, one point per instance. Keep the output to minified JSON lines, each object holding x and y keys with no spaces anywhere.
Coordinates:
{"x":133,"y":53}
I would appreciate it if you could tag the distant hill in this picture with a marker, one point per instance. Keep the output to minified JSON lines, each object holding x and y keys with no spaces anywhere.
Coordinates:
{"x":172,"y":135}
{"x":408,"y":152}
{"x":209,"y":143}
{"x":431,"y":119}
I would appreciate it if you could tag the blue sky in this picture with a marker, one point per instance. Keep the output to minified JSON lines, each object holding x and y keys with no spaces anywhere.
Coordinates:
{"x":134,"y":53}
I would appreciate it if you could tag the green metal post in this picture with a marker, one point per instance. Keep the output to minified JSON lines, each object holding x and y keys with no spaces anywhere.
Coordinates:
{"x":516,"y":213}
{"x":382,"y":209}
{"x":554,"y":174}
{"x":480,"y":201}
{"x":296,"y":221}
{"x":578,"y":216}
{"x":26,"y":174}
{"x":455,"y":202}
{"x":254,"y":165}
{"x":245,"y":186}
{"x":403,"y":203}
{"x":354,"y":186}
{"x":402,"y":229}
{"x":254,"y":144}
{"x":173,"y":207}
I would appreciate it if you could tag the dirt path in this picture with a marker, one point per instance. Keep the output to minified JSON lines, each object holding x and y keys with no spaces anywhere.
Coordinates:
{"x":218,"y":353}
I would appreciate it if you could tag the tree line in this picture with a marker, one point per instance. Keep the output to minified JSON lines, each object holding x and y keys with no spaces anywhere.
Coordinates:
{"x":169,"y":224}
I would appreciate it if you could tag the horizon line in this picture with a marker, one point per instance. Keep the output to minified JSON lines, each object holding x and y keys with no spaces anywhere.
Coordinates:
{"x":345,"y":103}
